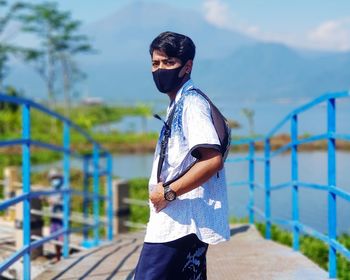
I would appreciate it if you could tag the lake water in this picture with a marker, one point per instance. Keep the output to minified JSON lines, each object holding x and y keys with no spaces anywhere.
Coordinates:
{"x":312,"y":169}
{"x":266,"y":117}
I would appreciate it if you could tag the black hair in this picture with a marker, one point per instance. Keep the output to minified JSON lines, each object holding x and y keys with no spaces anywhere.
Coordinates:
{"x":174,"y":45}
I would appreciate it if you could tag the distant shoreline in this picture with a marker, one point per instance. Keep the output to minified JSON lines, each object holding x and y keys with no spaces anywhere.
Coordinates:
{"x":148,"y":146}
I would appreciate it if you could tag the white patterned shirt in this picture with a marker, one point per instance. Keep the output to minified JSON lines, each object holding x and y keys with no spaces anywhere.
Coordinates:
{"x":204,"y":210}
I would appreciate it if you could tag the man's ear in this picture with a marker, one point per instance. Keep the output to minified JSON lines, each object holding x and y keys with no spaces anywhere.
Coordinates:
{"x":188,"y":66}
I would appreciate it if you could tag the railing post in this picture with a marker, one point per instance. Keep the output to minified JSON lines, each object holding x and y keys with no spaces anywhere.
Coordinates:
{"x":110,"y":197}
{"x":332,"y":206}
{"x":96,"y":195}
{"x":267,"y":189}
{"x":66,"y":187}
{"x":251,"y":181}
{"x":26,"y":188}
{"x":85,"y":190}
{"x":295,"y":189}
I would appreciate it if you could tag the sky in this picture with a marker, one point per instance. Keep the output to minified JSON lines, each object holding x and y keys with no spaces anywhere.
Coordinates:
{"x":315,"y":24}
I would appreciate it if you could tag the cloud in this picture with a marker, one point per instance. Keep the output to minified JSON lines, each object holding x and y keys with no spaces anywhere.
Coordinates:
{"x":330,"y":35}
{"x":217,"y":13}
{"x":333,"y":34}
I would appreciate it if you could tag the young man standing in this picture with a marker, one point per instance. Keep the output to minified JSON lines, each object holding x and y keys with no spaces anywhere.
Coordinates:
{"x":190,"y":211}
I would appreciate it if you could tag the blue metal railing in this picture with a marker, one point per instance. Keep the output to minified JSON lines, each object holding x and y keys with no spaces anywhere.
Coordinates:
{"x":97,"y":154}
{"x":331,"y":188}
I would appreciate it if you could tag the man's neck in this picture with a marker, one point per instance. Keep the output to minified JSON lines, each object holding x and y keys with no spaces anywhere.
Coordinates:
{"x":172,"y":94}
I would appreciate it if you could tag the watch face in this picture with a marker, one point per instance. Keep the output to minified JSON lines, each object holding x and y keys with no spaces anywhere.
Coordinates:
{"x":170,"y":195}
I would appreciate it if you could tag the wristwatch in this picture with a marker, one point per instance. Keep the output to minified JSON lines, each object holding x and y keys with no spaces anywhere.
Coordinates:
{"x":169,"y":194}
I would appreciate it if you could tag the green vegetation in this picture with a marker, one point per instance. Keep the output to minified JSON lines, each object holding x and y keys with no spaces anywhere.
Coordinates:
{"x":235,"y":220}
{"x":139,"y":190}
{"x":313,"y":248}
{"x":49,"y":130}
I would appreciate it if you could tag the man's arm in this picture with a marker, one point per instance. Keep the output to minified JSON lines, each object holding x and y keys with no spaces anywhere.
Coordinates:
{"x":209,"y":163}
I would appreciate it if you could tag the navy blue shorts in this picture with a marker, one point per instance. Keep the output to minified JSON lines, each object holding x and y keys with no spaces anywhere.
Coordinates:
{"x":181,"y":259}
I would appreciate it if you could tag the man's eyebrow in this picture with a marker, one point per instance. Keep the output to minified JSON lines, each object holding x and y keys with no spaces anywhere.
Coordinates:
{"x":163,"y":59}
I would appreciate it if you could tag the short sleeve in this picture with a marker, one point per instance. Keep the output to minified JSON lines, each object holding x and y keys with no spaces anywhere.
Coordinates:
{"x":198,"y":126}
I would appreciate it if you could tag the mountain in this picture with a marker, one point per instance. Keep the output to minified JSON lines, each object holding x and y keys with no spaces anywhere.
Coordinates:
{"x":229,"y":66}
{"x":270,"y":70}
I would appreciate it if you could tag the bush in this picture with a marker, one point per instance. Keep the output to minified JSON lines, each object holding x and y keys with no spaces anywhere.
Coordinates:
{"x":139,"y":190}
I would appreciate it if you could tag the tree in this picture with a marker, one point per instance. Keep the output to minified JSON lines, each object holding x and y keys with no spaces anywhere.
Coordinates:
{"x":9,"y":117}
{"x":59,"y":42}
{"x":234,"y":124}
{"x":249,"y":114}
{"x":73,"y":44}
{"x":7,"y":49}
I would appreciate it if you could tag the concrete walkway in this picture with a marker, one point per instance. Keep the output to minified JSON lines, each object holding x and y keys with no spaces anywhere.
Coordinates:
{"x":249,"y":256}
{"x":246,"y":256}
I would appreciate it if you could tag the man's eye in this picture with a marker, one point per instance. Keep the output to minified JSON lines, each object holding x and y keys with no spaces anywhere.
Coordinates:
{"x":154,"y":64}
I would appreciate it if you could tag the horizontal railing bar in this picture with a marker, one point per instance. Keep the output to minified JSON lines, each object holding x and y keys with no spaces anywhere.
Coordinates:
{"x":259,"y":186}
{"x":235,"y":184}
{"x":80,"y":229}
{"x":100,"y":173}
{"x":305,"y":107}
{"x":312,"y":139}
{"x":280,"y":150}
{"x":45,"y":239}
{"x":244,"y":183}
{"x":38,"y":193}
{"x":339,"y":192}
{"x":280,"y":186}
{"x":56,"y":242}
{"x":321,"y":99}
{"x":246,"y":141}
{"x":340,"y":248}
{"x":89,"y":195}
{"x":13,"y":258}
{"x":282,"y":221}
{"x":74,"y":217}
{"x":14,"y":142}
{"x":49,"y":146}
{"x":310,"y":231}
{"x":312,"y":186}
{"x":259,"y":158}
{"x":258,"y":211}
{"x":24,"y":101}
{"x":342,"y":136}
{"x":240,"y":159}
{"x":55,"y":148}
{"x":12,"y":201}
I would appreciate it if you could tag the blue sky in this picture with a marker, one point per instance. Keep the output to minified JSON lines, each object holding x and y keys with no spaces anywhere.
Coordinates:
{"x":316,"y":24}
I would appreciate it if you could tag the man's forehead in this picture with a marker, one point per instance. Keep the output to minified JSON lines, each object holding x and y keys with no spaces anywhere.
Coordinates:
{"x":159,"y":55}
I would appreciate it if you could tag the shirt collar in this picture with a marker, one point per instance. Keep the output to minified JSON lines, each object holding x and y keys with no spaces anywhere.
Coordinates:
{"x":185,"y":87}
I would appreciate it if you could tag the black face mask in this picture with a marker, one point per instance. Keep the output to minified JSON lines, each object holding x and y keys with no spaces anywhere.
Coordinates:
{"x":167,"y":80}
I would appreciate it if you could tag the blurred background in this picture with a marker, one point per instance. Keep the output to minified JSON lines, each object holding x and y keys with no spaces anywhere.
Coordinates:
{"x":267,"y":57}
{"x":257,"y":60}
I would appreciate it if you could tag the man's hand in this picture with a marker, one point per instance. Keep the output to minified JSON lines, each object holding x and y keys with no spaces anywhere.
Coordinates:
{"x":157,"y":197}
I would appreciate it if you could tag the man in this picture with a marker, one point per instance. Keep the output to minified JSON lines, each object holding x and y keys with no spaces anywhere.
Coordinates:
{"x":190,"y":212}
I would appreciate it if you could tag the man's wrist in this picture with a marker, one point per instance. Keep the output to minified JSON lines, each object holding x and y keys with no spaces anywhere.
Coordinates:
{"x":169,"y":193}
